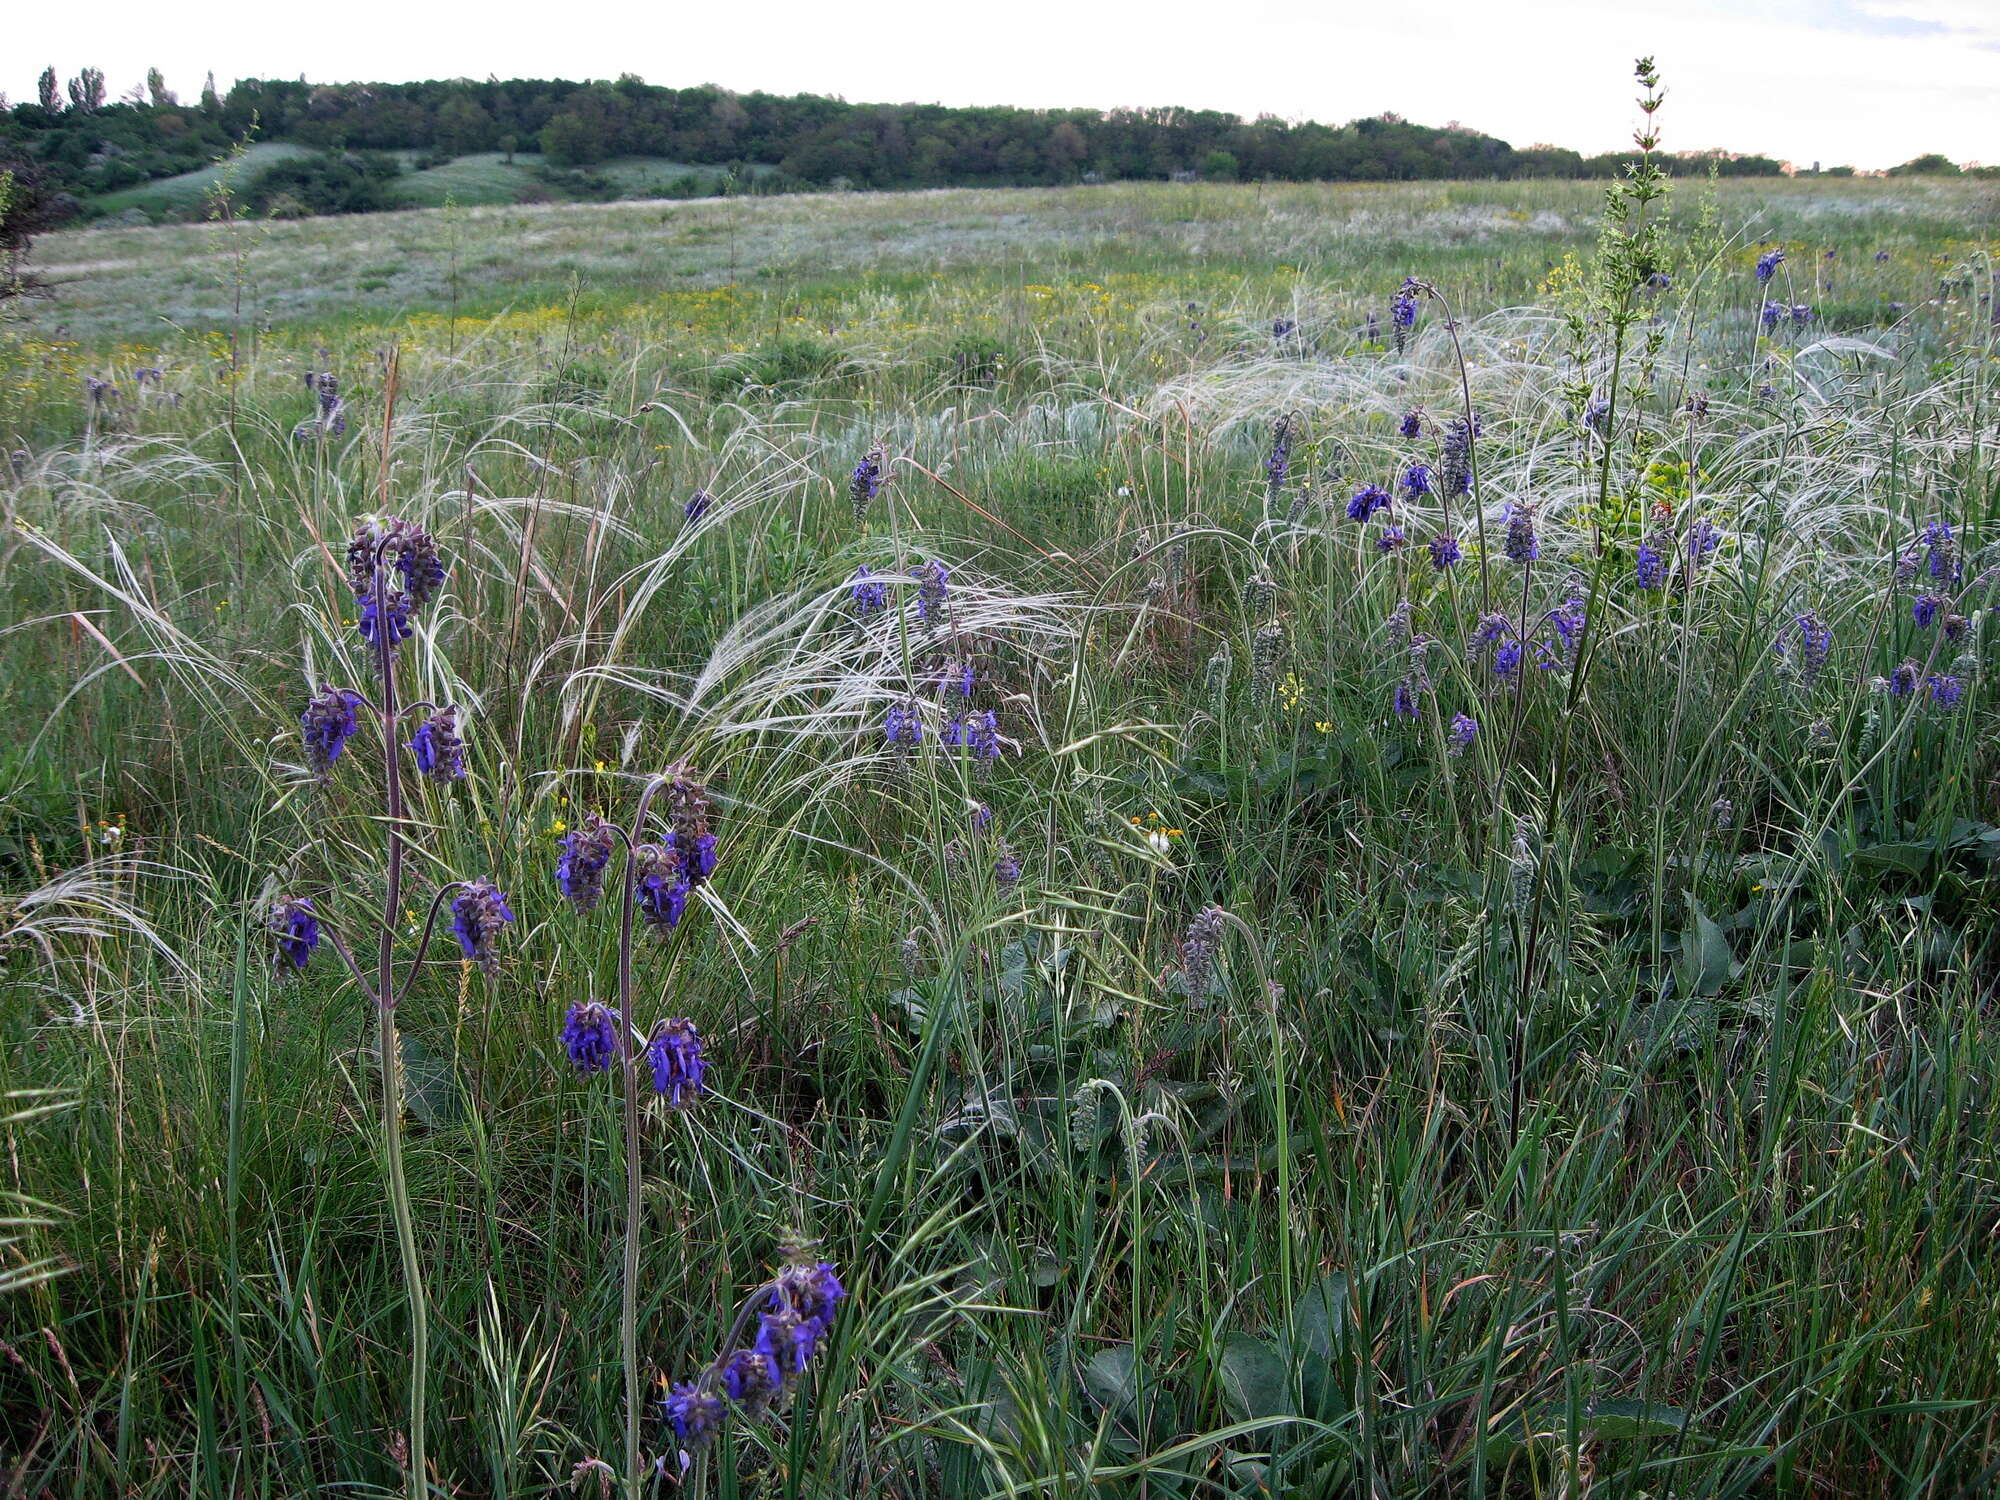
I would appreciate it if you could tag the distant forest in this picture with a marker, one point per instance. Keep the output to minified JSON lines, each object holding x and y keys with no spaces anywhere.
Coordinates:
{"x":75,"y":146}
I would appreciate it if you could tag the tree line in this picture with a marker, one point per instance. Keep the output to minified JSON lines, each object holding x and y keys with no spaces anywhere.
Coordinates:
{"x":80,"y":145}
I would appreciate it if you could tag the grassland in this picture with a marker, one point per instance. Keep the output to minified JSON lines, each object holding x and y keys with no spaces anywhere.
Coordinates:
{"x":1601,"y":1103}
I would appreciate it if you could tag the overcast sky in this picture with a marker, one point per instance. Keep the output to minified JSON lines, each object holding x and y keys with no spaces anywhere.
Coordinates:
{"x":1866,"y":82}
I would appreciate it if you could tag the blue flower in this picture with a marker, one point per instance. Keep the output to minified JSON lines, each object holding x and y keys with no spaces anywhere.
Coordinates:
{"x":866,"y":481}
{"x":1445,"y":551}
{"x":1413,"y":422}
{"x":329,"y":723}
{"x":868,"y":594}
{"x":439,"y":749}
{"x":661,"y":887}
{"x":901,"y":724}
{"x":295,"y":928}
{"x":1521,"y":544}
{"x":1278,"y":466}
{"x":1815,"y":644}
{"x":1507,"y":657}
{"x":1464,"y":730}
{"x":697,"y":506}
{"x":1455,"y":455}
{"x":1941,"y":552}
{"x":586,"y":850}
{"x":1367,"y":500}
{"x":395,"y":609}
{"x":694,"y":1412}
{"x":1417,"y":480}
{"x":1768,"y":263}
{"x":1649,"y":568}
{"x":679,"y":1069}
{"x":1391,"y":538}
{"x":933,"y":590}
{"x":590,"y":1036}
{"x":1926,"y":608}
{"x":1945,"y":690}
{"x":1703,"y":538}
{"x":478,"y":913}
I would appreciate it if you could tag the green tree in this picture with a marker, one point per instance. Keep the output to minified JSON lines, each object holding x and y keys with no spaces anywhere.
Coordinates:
{"x":1930,"y":164}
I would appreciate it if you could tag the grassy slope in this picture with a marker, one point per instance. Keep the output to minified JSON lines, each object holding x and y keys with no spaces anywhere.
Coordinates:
{"x":1735,"y":1153}
{"x":189,"y":191}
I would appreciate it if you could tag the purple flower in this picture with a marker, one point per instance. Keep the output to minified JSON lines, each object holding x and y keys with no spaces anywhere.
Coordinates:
{"x":1881,"y":256}
{"x":977,"y":732}
{"x":1941,"y":552}
{"x":329,"y":723}
{"x":1802,"y":314}
{"x":901,"y":724}
{"x":1945,"y":690}
{"x":590,"y":1036}
{"x":694,"y":1412}
{"x":866,"y":481}
{"x":1521,"y":544}
{"x":746,"y":1381}
{"x":933,"y":589}
{"x":396,"y":609}
{"x":1455,"y":455}
{"x":1464,"y":730}
{"x":1507,"y":657}
{"x":1768,"y":263}
{"x":1445,"y":551}
{"x":586,"y":850}
{"x":1403,"y":306}
{"x":1649,"y":568}
{"x":1597,"y":415}
{"x":1413,"y":422}
{"x":679,"y":1069}
{"x":1773,"y":311}
{"x":438,"y":747}
{"x":478,"y":912}
{"x":1926,"y":608}
{"x":1006,"y":868}
{"x":1703,"y":539}
{"x":1405,"y":704}
{"x":688,"y":810}
{"x":1417,"y":480}
{"x":1278,"y":466}
{"x":1491,"y":628}
{"x":1903,"y":681}
{"x":868,"y":594}
{"x":295,"y":929}
{"x":1391,"y":538}
{"x":661,"y":888}
{"x":697,"y":506}
{"x":1815,"y":644}
{"x":1568,"y":617}
{"x":1367,"y":500}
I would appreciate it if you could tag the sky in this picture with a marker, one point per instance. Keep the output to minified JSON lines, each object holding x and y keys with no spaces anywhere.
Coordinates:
{"x":1868,"y":83}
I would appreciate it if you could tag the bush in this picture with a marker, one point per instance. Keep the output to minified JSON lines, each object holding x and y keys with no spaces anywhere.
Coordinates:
{"x":331,"y":182}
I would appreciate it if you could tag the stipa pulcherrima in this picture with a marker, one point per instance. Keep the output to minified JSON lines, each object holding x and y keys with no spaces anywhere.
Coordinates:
{"x":660,"y":874}
{"x":394,"y":569}
{"x":794,"y":1312}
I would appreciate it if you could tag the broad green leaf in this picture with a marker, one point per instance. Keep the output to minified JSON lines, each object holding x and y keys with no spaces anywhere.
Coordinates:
{"x":1255,"y":1380}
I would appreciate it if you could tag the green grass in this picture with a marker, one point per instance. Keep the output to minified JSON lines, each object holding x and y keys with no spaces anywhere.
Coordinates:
{"x":184,"y":195}
{"x":484,"y":178}
{"x":1622,"y":1116}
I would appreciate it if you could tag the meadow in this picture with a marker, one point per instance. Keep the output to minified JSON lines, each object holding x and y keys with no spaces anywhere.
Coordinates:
{"x":1322,"y":884}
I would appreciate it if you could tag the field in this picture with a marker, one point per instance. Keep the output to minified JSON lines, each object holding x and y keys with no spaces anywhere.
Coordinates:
{"x":1321,"y":887}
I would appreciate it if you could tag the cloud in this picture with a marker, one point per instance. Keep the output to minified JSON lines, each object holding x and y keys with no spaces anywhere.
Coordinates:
{"x":1855,"y":16}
